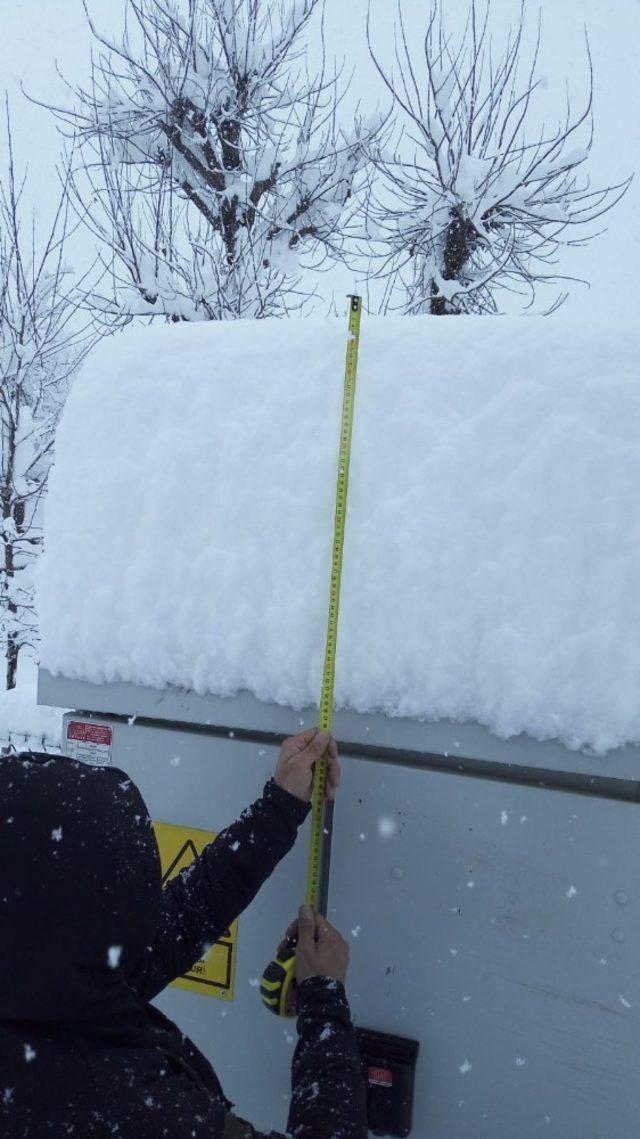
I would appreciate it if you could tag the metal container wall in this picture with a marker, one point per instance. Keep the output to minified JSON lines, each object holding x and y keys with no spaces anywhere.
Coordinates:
{"x":492,"y":919}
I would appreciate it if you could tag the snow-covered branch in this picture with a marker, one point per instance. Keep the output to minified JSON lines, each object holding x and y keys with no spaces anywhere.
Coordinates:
{"x":42,"y":341}
{"x":473,"y":198}
{"x":212,"y":165}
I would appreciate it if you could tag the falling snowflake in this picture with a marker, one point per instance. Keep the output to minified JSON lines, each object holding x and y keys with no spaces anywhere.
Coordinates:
{"x":386,"y":826}
{"x":114,"y":954}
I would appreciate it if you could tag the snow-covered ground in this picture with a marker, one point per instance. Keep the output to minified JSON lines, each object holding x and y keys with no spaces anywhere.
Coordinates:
{"x":23,"y":723}
{"x":492,"y":555}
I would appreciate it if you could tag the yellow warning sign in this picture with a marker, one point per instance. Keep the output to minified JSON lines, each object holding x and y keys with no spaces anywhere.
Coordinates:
{"x":213,"y":974}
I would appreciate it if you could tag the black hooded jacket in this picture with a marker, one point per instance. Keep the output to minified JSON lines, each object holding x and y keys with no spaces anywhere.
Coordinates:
{"x":88,"y":937}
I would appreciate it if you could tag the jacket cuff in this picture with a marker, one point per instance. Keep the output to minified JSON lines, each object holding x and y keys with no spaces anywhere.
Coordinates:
{"x":295,"y":810}
{"x":322,"y":990}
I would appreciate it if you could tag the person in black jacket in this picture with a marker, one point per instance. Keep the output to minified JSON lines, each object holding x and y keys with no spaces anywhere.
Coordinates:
{"x":88,"y":937}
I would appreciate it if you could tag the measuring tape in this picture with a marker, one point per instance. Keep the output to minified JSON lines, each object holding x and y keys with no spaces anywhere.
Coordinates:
{"x":277,"y":987}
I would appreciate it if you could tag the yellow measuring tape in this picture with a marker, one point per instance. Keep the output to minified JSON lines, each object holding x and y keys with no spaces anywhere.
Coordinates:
{"x":278,"y":980}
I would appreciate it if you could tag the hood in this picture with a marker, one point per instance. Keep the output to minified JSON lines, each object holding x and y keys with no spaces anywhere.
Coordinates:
{"x":80,"y":889}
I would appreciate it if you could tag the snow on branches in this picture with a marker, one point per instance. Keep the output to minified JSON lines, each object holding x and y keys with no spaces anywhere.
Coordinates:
{"x":42,"y":340}
{"x":213,"y":167}
{"x":475,"y":196}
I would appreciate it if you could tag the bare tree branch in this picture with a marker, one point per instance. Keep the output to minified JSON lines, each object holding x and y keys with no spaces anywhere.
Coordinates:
{"x":209,"y":158}
{"x":478,"y":207}
{"x":43,"y":338}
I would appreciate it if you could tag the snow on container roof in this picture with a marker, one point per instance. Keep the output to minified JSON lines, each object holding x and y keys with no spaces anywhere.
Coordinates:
{"x":492,"y":558}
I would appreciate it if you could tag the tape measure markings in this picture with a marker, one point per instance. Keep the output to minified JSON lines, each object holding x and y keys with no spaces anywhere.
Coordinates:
{"x":322,"y":814}
{"x":278,"y":980}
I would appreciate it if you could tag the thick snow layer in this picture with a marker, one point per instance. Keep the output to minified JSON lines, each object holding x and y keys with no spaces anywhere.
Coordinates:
{"x":492,"y":561}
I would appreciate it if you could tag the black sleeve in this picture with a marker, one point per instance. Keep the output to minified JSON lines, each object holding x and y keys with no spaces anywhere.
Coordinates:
{"x":328,"y":1098}
{"x":200,"y":903}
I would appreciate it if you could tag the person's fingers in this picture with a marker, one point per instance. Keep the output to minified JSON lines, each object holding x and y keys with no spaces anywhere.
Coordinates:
{"x":304,"y":750}
{"x":313,"y":741}
{"x":306,"y":925}
{"x":294,"y":744}
{"x":333,"y":771}
{"x":290,"y":938}
{"x":327,"y":933}
{"x":292,"y":931}
{"x":327,"y":936}
{"x":301,"y":741}
{"x":317,"y":747}
{"x":314,"y":751}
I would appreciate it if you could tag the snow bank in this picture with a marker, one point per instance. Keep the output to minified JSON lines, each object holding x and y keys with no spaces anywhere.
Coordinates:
{"x":25,"y":724}
{"x":492,"y":563}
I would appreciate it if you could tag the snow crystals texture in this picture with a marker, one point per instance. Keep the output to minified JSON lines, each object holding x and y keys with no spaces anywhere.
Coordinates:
{"x":492,"y":551}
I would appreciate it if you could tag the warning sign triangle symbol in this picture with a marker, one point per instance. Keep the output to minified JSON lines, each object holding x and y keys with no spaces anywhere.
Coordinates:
{"x":183,"y":858}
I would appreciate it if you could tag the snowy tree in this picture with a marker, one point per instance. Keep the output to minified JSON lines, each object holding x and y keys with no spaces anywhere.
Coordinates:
{"x":213,"y":167}
{"x":476,"y":194}
{"x":42,"y":340}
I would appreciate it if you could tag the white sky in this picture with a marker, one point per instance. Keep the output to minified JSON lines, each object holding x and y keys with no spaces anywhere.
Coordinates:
{"x":37,"y":33}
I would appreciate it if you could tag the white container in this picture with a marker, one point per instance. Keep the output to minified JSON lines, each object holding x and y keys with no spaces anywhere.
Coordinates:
{"x":487,"y":888}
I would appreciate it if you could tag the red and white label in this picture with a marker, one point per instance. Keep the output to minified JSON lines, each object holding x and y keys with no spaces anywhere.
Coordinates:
{"x":89,"y":742}
{"x":382,"y":1077}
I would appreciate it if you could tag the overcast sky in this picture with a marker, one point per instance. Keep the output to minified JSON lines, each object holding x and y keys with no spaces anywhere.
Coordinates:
{"x":38,"y":33}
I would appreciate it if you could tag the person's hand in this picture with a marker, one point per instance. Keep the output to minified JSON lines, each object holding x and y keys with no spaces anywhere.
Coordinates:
{"x":294,"y":772}
{"x":321,"y":951}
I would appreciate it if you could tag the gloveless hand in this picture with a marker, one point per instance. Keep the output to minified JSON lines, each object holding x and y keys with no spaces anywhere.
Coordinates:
{"x":298,"y":754}
{"x":321,"y":949}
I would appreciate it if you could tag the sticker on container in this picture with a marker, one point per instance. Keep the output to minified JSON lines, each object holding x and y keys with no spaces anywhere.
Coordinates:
{"x":213,"y":974}
{"x":381,"y":1077}
{"x":89,"y":742}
